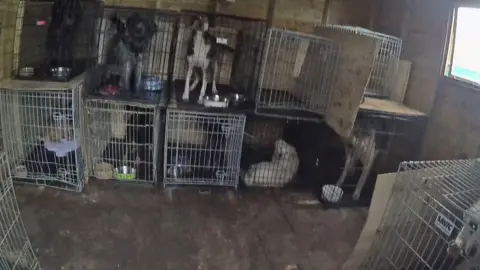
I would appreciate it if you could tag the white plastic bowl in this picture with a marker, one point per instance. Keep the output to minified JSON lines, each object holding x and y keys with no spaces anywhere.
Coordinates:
{"x":332,"y":193}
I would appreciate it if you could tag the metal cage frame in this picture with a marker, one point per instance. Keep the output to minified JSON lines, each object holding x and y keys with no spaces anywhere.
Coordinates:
{"x":132,"y":130}
{"x":382,"y":77}
{"x":158,"y":59}
{"x":232,"y":31}
{"x":42,"y":136}
{"x":202,"y":148}
{"x":31,"y":33}
{"x":16,"y":251}
{"x":299,"y":83}
{"x":432,"y":202}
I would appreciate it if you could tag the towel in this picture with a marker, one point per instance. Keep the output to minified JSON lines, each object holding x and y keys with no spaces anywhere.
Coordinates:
{"x":62,"y":148}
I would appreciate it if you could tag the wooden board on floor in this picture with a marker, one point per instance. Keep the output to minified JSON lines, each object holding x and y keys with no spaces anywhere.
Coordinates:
{"x":353,"y":70}
{"x":381,"y":195}
{"x":388,"y":106}
{"x":401,"y":81}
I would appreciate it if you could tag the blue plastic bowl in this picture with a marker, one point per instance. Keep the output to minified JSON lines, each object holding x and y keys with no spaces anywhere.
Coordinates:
{"x":153,"y":84}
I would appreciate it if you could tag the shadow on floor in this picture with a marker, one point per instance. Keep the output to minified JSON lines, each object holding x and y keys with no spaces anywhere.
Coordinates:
{"x":136,"y":228}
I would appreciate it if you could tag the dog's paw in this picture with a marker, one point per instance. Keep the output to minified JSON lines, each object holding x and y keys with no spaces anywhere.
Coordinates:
{"x":200,"y":100}
{"x":185,"y":97}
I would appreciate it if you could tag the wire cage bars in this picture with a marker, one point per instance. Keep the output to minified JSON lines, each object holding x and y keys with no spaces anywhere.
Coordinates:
{"x":238,"y":45}
{"x":41,"y":131}
{"x":15,"y":248}
{"x":431,"y":219}
{"x":52,"y":35}
{"x":123,"y":141}
{"x":297,"y":74}
{"x":202,"y":148}
{"x":387,"y":56}
{"x":268,"y":158}
{"x":143,"y":64}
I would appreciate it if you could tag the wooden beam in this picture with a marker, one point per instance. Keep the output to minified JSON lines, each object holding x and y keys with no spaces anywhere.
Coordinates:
{"x":271,"y":12}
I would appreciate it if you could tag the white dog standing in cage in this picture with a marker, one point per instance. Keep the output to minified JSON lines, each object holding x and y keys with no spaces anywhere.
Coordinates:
{"x":468,"y":238}
{"x":363,"y":148}
{"x":203,"y":51}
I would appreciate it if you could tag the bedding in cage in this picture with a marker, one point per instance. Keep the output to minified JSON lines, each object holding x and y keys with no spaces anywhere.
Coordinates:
{"x":297,"y":74}
{"x":239,"y":45}
{"x":55,"y":39}
{"x":15,"y":249}
{"x":365,"y":154}
{"x":432,"y":218}
{"x":202,"y":148}
{"x":135,"y":53}
{"x":41,"y":133}
{"x":387,"y":55}
{"x":123,"y":141}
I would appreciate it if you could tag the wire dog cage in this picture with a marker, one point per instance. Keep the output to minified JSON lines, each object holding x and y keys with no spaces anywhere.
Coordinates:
{"x":135,"y":54}
{"x":123,"y":140}
{"x":55,"y":39}
{"x":268,"y":160}
{"x":41,"y":132}
{"x":297,"y":74}
{"x":202,"y":148}
{"x":431,"y":219}
{"x":238,"y":45}
{"x":382,"y":78}
{"x":15,"y":249}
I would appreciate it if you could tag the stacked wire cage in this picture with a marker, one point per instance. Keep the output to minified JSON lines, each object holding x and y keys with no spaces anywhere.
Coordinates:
{"x":297,"y":75}
{"x":15,"y":248}
{"x":202,"y":148}
{"x":55,"y":40}
{"x":387,"y":55}
{"x":42,"y":134}
{"x":432,"y":218}
{"x":269,"y":158}
{"x":244,"y":37}
{"x":119,"y":29}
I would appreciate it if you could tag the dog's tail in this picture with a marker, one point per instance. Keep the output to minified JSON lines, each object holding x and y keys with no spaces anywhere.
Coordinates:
{"x":225,"y":48}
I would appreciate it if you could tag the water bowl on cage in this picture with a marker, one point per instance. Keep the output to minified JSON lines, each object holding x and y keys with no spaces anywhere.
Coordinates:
{"x":221,"y":174}
{"x":103,"y":171}
{"x":124,"y":173}
{"x":20,"y":171}
{"x":180,"y":168}
{"x":332,"y":193}
{"x":153,"y":84}
{"x":64,"y":174}
{"x":61,"y":72}
{"x":236,"y":100}
{"x":27,"y":71}
{"x":215,"y":101}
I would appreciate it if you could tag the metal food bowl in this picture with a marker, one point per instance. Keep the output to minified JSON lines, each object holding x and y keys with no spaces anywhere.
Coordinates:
{"x":124,"y":173}
{"x":27,"y":71}
{"x":215,"y":100}
{"x":237,"y":100}
{"x":153,"y":84}
{"x":60,"y":72}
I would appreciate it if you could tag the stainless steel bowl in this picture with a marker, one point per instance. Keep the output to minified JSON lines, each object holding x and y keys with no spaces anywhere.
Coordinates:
{"x":125,"y":173}
{"x":61,"y":72}
{"x":27,"y":71}
{"x":236,"y":100}
{"x":215,"y":100}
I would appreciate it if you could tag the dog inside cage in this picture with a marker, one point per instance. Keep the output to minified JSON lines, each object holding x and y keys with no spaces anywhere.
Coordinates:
{"x":207,"y":49}
{"x":122,"y":142}
{"x":43,"y":138}
{"x":431,"y":221}
{"x":135,"y":52}
{"x":297,"y":73}
{"x":56,"y":40}
{"x":202,"y":148}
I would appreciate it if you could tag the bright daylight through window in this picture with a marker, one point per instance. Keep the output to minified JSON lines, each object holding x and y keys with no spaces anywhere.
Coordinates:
{"x":463,"y":62}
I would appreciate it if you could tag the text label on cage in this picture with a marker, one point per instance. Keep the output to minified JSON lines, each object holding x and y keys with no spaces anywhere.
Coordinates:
{"x":444,"y":224}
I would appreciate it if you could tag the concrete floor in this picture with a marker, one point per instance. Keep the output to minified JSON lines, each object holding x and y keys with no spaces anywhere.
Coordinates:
{"x":126,"y":227}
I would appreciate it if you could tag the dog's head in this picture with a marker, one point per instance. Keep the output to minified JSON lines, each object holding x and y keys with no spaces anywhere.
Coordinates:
{"x":137,"y":31}
{"x":200,"y":23}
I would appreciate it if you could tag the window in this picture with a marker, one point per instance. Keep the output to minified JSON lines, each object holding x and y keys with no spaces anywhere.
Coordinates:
{"x":463,"y":58}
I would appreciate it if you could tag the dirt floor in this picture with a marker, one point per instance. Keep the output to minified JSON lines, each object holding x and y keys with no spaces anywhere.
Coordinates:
{"x":126,"y":227}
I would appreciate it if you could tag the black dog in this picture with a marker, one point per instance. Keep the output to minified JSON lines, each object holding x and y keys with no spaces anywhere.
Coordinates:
{"x":127,"y":46}
{"x":66,"y":17}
